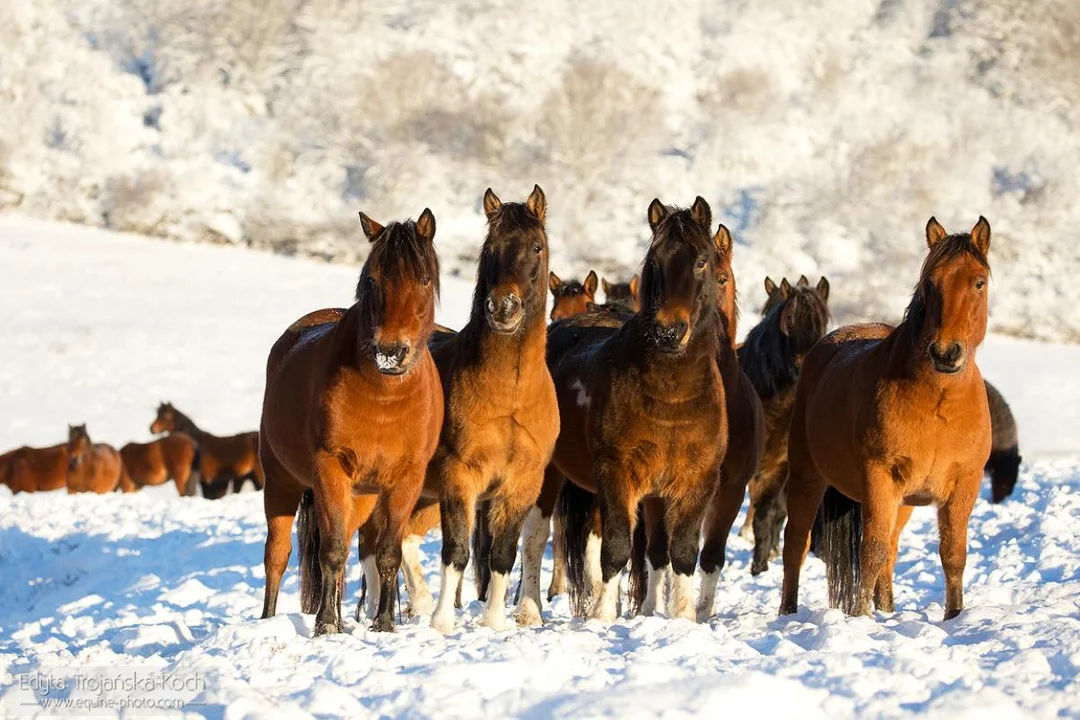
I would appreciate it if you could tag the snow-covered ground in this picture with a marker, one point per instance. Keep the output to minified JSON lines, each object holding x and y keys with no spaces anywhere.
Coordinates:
{"x":100,"y":327}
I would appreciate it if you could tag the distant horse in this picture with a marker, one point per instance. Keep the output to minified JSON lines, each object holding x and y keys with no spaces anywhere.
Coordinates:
{"x":643,"y":409}
{"x":772,"y":357}
{"x":94,"y":467}
{"x":222,"y":460}
{"x":1004,"y":462}
{"x":893,"y":418}
{"x":28,"y":469}
{"x":352,"y":409}
{"x":570,"y":296}
{"x":174,"y":457}
{"x":501,"y":414}
{"x":623,"y":295}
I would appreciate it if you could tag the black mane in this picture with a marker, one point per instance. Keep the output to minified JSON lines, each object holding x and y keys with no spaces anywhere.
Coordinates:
{"x":401,"y":255}
{"x":772,"y":359}
{"x":946,"y":249}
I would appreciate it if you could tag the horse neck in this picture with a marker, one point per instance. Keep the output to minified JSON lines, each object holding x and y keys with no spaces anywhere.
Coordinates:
{"x":662,"y":369}
{"x":519,"y":352}
{"x":185,"y":424}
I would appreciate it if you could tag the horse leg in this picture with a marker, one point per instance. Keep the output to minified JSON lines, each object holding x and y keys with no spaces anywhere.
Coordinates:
{"x":506,"y":516}
{"x":804,"y":492}
{"x":280,"y":501}
{"x":420,"y":600}
{"x":368,"y":536}
{"x":684,"y":518}
{"x":396,"y":507}
{"x":656,"y":555}
{"x":458,"y":508}
{"x":722,"y":511}
{"x":767,"y":522}
{"x":746,"y":532}
{"x":883,"y":590}
{"x":618,"y":508}
{"x":879,"y":510}
{"x":534,"y":541}
{"x":549,"y":496}
{"x":953,"y":516}
{"x":333,"y":511}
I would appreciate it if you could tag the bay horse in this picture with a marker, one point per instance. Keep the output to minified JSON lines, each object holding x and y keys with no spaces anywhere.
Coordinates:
{"x":571,"y":297}
{"x":622,"y":295}
{"x":94,"y":467}
{"x":1004,"y":461}
{"x":223,"y":461}
{"x":30,"y":469}
{"x":173,"y":457}
{"x":501,"y":415}
{"x":894,"y":417}
{"x":796,"y":318}
{"x":350,"y":419}
{"x":643,"y":408}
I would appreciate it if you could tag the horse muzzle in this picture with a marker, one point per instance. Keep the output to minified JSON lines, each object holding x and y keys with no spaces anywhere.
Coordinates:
{"x":672,"y":338}
{"x":392,"y":359}
{"x":948,"y":359}
{"x":505,"y":314}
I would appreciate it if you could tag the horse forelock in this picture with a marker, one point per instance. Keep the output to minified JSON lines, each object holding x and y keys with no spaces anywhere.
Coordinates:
{"x":944,"y":251}
{"x":400,"y":256}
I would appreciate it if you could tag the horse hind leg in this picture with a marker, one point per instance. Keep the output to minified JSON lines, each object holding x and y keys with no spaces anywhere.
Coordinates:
{"x":279,"y":504}
{"x":720,"y":516}
{"x":804,"y":492}
{"x":534,"y":541}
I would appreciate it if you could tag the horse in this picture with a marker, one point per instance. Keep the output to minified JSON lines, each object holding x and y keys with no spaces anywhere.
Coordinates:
{"x":1003,"y":465}
{"x":796,"y":318}
{"x":894,"y":417}
{"x":350,"y":419}
{"x":173,"y":457}
{"x":623,"y":295}
{"x":29,"y":469}
{"x":94,"y":467}
{"x":643,"y":408}
{"x":501,"y":416}
{"x":571,"y":297}
{"x":222,"y":460}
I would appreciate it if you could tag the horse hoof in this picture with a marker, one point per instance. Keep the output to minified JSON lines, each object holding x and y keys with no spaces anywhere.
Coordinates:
{"x":443,"y":624}
{"x":756,"y":569}
{"x":327,"y":628}
{"x":495,"y":620}
{"x":788,"y":609}
{"x":704,"y":613}
{"x":420,"y":606}
{"x":528,"y":614}
{"x":383,"y":625}
{"x":950,"y":614}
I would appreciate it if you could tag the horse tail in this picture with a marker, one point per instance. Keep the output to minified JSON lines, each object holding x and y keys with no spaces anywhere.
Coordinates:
{"x":576,"y":507}
{"x":307,"y":536}
{"x":638,"y":580}
{"x":482,"y":539}
{"x":840,"y":544}
{"x":1004,"y":468}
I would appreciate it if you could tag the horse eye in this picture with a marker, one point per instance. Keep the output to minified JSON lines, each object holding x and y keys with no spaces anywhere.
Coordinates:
{"x":723,"y":280}
{"x":702,"y":263}
{"x":425,"y":281}
{"x":537,"y":248}
{"x":980,"y":284}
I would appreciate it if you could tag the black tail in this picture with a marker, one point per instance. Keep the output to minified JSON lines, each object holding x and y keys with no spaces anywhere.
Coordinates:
{"x":481,"y":549}
{"x":576,"y":506}
{"x":638,"y":581}
{"x":307,"y":536}
{"x":840,"y":545}
{"x":1004,"y":468}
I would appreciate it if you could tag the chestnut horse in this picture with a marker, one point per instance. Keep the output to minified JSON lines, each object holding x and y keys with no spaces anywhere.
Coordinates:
{"x":352,"y":410}
{"x":644,"y":410}
{"x":29,"y":469}
{"x":174,"y":457}
{"x":1004,"y":462}
{"x":796,"y":318}
{"x":94,"y":467}
{"x":571,"y":297}
{"x":893,"y":417}
{"x":222,"y":460}
{"x":501,"y":414}
{"x":622,"y":295}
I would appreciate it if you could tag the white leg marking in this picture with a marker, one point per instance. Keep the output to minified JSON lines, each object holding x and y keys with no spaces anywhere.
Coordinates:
{"x":707,"y":598}
{"x":420,"y":600}
{"x":681,"y":598}
{"x":558,"y":558}
{"x":655,"y":584}
{"x":535,"y":532}
{"x":371,"y":575}
{"x":443,"y":619}
{"x":594,"y":573}
{"x":494,"y":615}
{"x":605,"y":603}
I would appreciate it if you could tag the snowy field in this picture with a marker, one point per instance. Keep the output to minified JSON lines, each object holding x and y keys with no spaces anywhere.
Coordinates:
{"x":100,"y":327}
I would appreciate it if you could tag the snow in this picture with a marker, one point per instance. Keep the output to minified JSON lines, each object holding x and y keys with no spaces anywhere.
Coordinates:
{"x":99,"y":327}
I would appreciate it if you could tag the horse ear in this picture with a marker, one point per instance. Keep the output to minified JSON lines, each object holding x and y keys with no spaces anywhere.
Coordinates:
{"x":770,"y":286}
{"x":701,"y":212}
{"x":803,"y":282}
{"x":537,"y":203}
{"x":590,"y":284}
{"x":371,"y":228}
{"x":935,"y":233}
{"x":723,"y":240}
{"x":657,"y":212}
{"x":492,"y":203}
{"x":634,"y":282}
{"x":425,"y":226}
{"x":980,"y":235}
{"x":823,"y":289}
{"x":554,"y":281}
{"x":785,"y":288}
{"x":606,"y":285}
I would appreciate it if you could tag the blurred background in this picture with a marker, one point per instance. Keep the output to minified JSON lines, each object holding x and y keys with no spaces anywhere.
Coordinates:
{"x":823,"y":134}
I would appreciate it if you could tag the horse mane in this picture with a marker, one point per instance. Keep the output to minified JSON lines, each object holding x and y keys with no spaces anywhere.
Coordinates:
{"x":945,"y":250}
{"x":400,"y":254}
{"x":772,"y":359}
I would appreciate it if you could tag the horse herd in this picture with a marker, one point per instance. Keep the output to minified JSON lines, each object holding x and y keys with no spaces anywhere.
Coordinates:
{"x":636,"y":424}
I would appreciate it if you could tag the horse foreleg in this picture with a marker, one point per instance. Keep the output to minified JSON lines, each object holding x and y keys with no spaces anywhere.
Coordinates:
{"x":879,"y":510}
{"x":618,"y":508}
{"x":333,"y":510}
{"x":953,"y":517}
{"x":723,"y":509}
{"x":804,"y":492}
{"x":883,"y":590}
{"x":534,"y":542}
{"x":458,"y":508}
{"x":684,"y":519}
{"x":506,"y":517}
{"x":396,"y":506}
{"x":656,"y":555}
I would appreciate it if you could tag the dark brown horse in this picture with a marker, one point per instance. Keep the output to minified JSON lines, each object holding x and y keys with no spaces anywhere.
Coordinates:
{"x":223,"y":461}
{"x":174,"y":457}
{"x":28,"y":469}
{"x":644,"y":410}
{"x":893,"y":417}
{"x":772,"y":356}
{"x":94,"y":467}
{"x":1004,"y":462}
{"x":622,"y":295}
{"x":571,"y":297}
{"x":350,"y":420}
{"x":501,"y":413}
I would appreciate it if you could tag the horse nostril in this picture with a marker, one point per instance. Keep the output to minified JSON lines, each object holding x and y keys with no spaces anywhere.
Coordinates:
{"x":490,"y":305}
{"x":680,"y":329}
